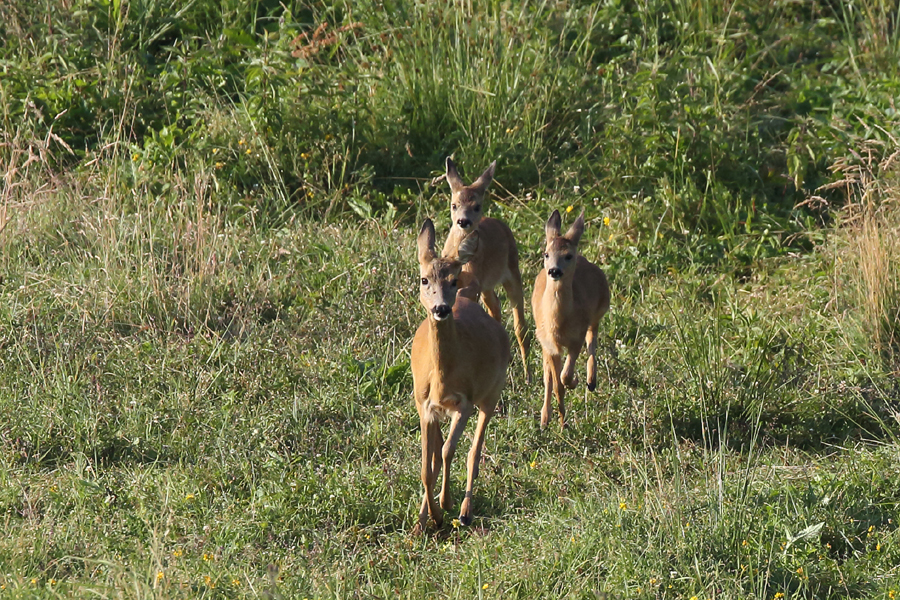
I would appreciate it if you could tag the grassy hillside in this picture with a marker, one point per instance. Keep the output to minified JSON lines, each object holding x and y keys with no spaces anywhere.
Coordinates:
{"x":208,"y":294}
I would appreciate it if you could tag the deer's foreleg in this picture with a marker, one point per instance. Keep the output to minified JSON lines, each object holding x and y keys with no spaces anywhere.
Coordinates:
{"x":457,"y":426}
{"x":465,"y":512}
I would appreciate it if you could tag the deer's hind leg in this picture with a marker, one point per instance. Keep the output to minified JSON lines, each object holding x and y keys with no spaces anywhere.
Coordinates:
{"x":591,"y":339}
{"x":513,"y":287}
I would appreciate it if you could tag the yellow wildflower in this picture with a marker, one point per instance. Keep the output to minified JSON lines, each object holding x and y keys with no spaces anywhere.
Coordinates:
{"x":800,"y":571}
{"x":533,"y":464}
{"x":892,"y":594}
{"x":219,"y":165}
{"x":570,"y":208}
{"x":241,"y":143}
{"x":208,"y":581}
{"x":871,"y":528}
{"x":485,"y":586}
{"x":160,"y":575}
{"x":623,"y":506}
{"x":745,"y":543}
{"x":235,"y":582}
{"x":190,"y":497}
{"x":208,"y":557}
{"x":177,"y":553}
{"x":135,"y":157}
{"x":606,"y":221}
{"x":455,"y":523}
{"x":778,"y":595}
{"x":248,"y":151}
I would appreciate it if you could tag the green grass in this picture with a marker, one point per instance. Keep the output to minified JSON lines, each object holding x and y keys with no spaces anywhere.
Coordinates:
{"x":208,"y":294}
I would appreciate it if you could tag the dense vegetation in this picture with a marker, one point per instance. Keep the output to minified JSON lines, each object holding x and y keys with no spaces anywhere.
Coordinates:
{"x":207,"y":296}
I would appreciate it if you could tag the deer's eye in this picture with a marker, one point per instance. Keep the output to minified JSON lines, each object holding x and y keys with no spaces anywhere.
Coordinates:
{"x":568,"y":257}
{"x":452,"y":207}
{"x":453,"y":283}
{"x":424,"y":281}
{"x":546,"y":255}
{"x":477,"y":208}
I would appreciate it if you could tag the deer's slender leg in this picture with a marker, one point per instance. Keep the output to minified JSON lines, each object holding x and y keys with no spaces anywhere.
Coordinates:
{"x":513,"y":287}
{"x":548,"y":388}
{"x":492,"y":303}
{"x":465,"y":513}
{"x":430,"y":433}
{"x":591,"y":340}
{"x":560,"y":390}
{"x":457,"y":426}
{"x":569,"y":378}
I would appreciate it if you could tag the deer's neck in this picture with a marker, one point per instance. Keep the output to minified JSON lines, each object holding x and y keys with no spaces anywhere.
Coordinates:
{"x":444,"y":344}
{"x":558,"y":298}
{"x":454,"y":239}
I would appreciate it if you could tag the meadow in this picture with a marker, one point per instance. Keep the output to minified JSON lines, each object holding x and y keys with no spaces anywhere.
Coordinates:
{"x":208,"y":292}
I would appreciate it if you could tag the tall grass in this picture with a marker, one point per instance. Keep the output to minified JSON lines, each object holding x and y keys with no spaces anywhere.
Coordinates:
{"x":207,"y":295}
{"x":871,"y":250}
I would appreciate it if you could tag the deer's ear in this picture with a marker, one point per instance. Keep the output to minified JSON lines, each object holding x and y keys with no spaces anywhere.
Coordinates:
{"x":425,"y":242}
{"x":456,"y":183}
{"x":467,"y":248}
{"x":486,"y":178}
{"x":575,"y":231}
{"x":551,"y":229}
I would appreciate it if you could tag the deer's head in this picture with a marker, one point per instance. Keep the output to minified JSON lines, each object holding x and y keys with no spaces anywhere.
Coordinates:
{"x":438,"y":274}
{"x":467,"y":201}
{"x":561,"y":251}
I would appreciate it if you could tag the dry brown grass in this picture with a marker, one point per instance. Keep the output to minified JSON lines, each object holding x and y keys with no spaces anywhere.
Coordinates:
{"x":869,"y":249}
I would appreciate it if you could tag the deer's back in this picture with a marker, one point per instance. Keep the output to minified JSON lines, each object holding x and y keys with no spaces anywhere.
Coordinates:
{"x":591,"y":287}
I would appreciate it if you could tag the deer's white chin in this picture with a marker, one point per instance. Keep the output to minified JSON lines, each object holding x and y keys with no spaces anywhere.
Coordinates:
{"x":440,"y":318}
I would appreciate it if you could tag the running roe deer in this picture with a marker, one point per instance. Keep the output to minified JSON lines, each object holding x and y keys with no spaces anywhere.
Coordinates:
{"x":459,"y":361}
{"x":570,"y":295}
{"x":496,"y":260}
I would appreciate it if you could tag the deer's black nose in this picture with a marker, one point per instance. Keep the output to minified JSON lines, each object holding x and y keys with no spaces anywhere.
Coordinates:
{"x":442,"y":311}
{"x":464,"y":223}
{"x":554,"y":273}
